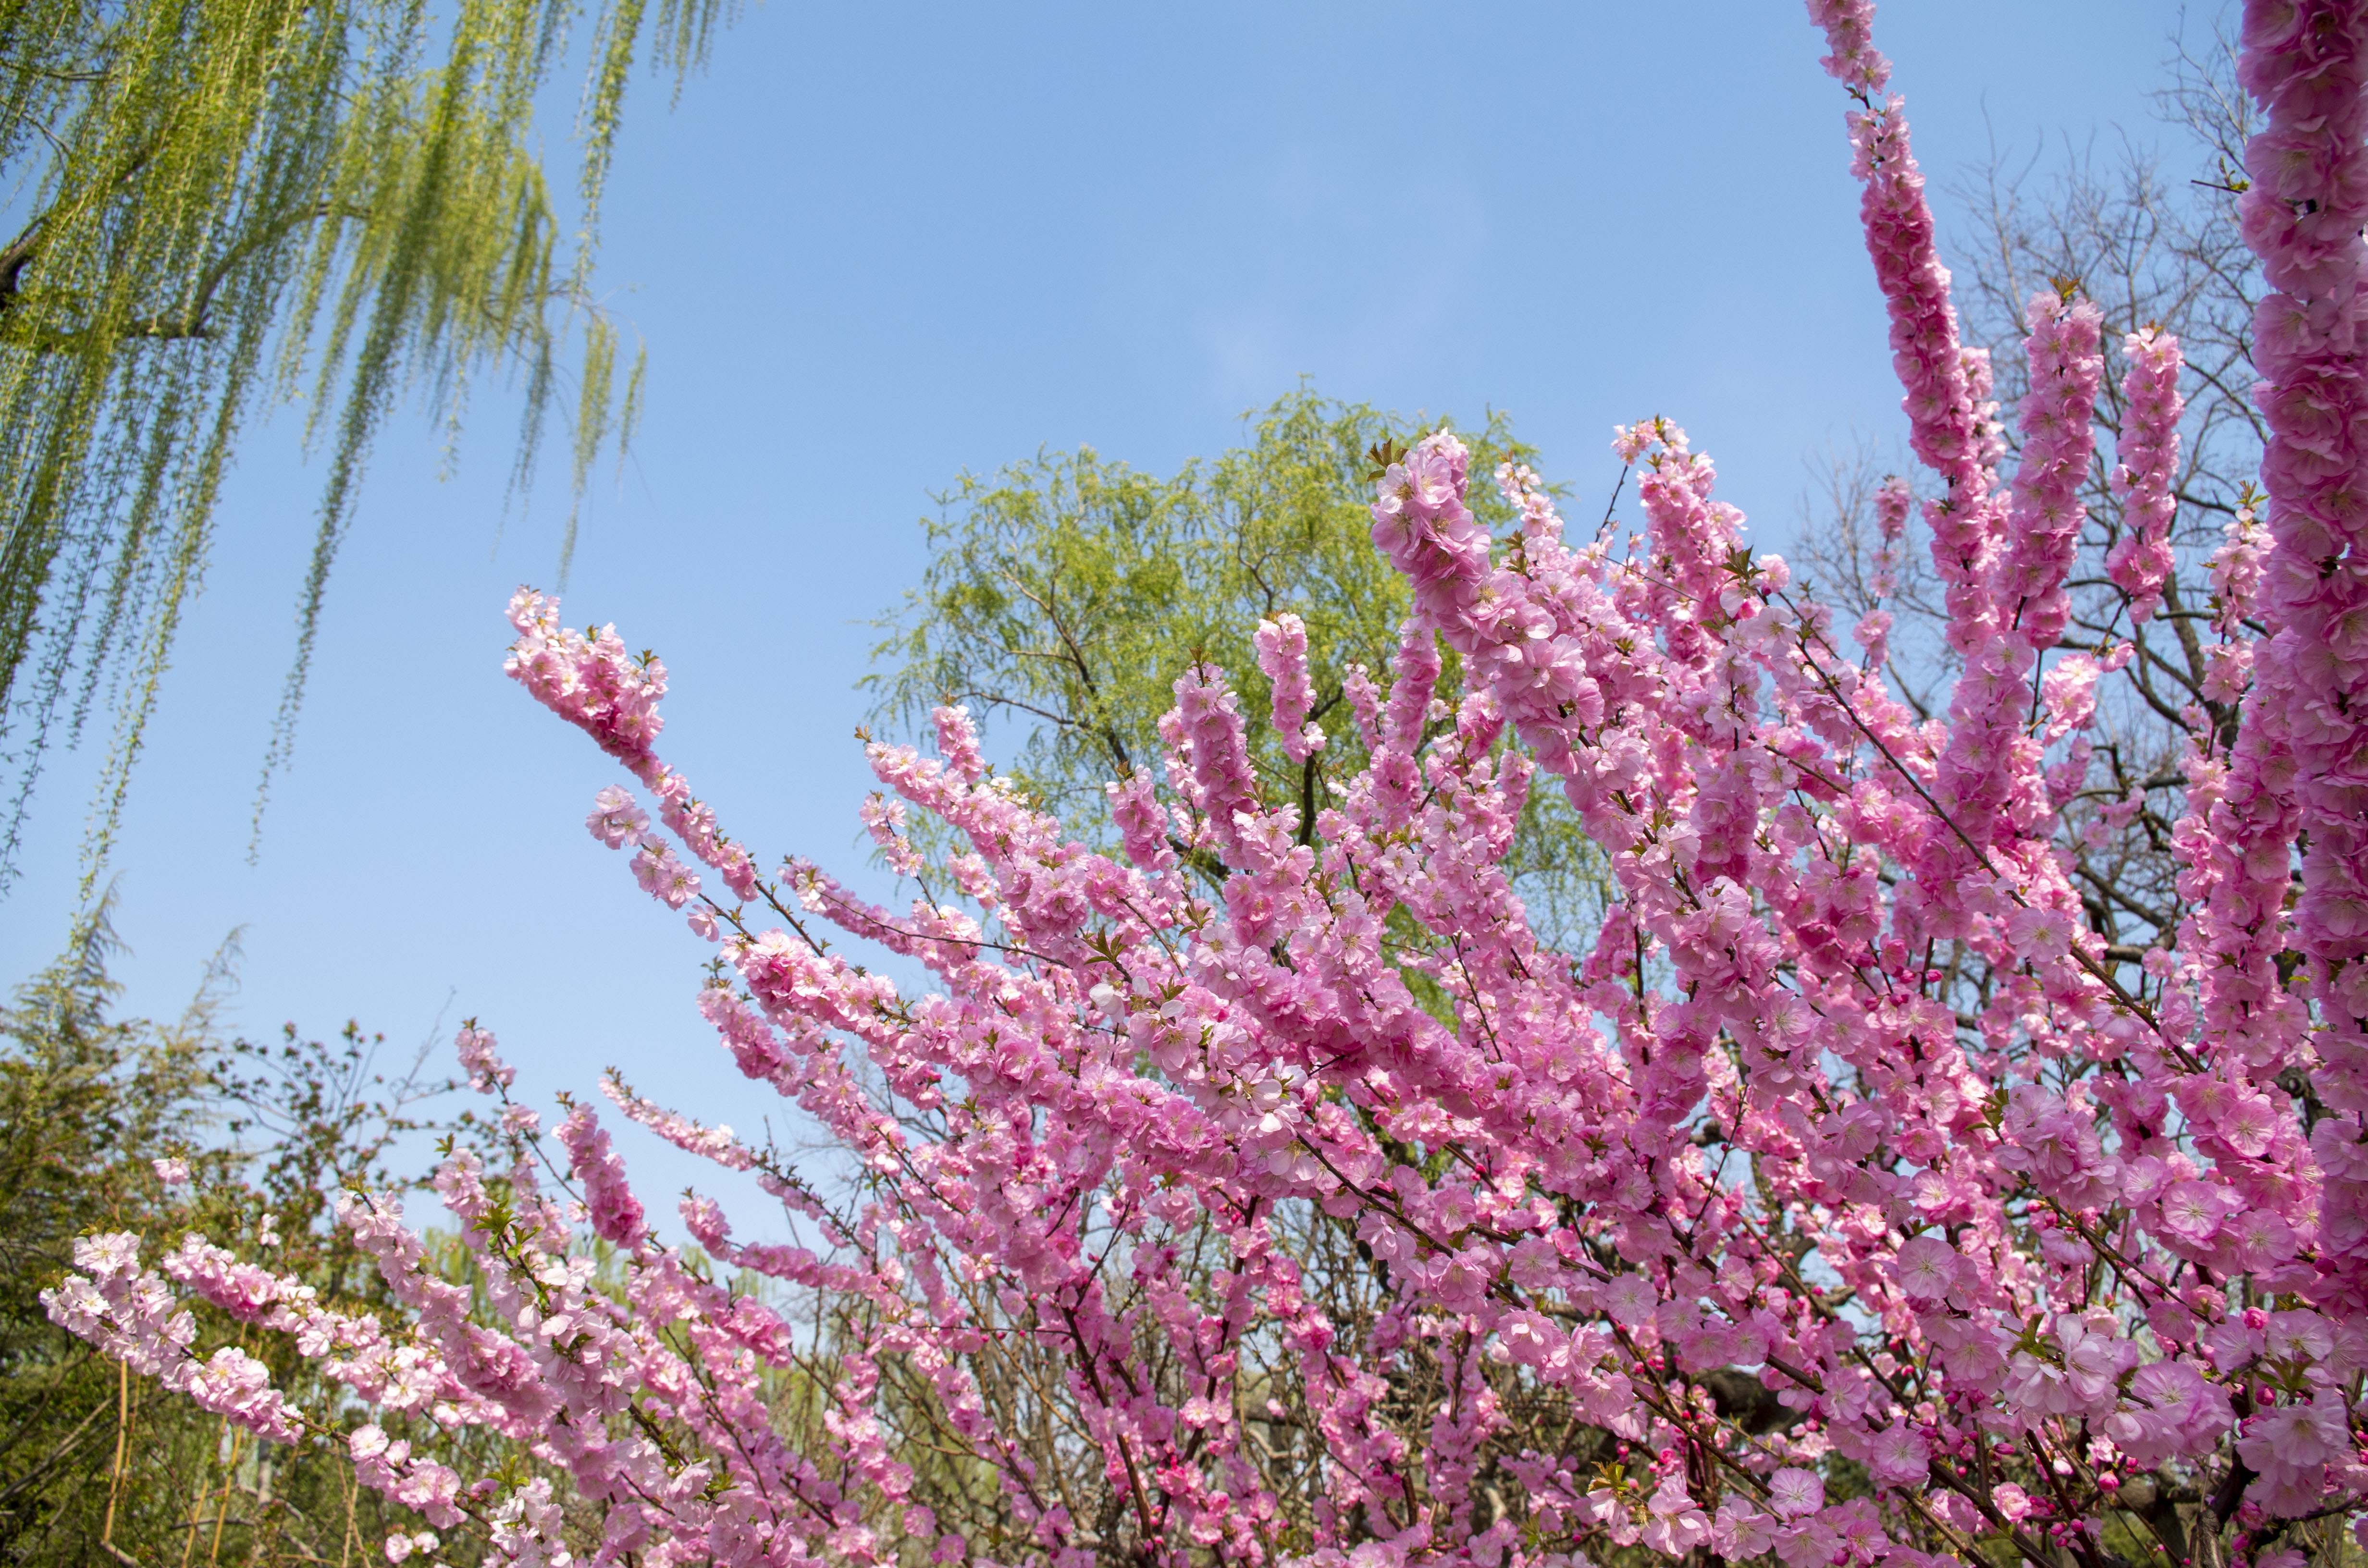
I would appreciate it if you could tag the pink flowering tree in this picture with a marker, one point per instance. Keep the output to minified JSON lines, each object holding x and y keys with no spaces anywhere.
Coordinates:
{"x":1850,"y":1200}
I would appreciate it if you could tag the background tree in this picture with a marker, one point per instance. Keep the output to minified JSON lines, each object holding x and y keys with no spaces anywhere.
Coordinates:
{"x":212,"y":207}
{"x":85,"y":1106}
{"x":1064,"y":595}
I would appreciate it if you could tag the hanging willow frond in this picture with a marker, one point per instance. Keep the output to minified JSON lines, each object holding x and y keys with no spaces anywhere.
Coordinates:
{"x":209,"y":205}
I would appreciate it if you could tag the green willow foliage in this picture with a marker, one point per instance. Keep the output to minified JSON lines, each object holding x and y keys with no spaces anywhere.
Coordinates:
{"x":1067,"y":593}
{"x":208,"y":205}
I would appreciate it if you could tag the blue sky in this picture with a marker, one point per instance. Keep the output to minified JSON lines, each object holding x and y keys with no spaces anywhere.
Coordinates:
{"x":877,"y":245}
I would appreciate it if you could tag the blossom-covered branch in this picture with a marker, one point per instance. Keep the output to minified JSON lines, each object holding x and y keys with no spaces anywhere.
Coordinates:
{"x":1315,"y":1212}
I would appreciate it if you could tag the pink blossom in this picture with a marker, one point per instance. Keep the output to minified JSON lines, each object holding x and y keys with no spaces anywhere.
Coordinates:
{"x":1900,"y":1456}
{"x":480,"y":1060}
{"x":616,"y":820}
{"x":2147,"y":469}
{"x":1794,"y":1493}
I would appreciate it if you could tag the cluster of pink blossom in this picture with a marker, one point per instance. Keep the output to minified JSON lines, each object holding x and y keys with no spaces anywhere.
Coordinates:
{"x":2146,"y":475}
{"x":1849,"y":31}
{"x":1328,"y":1218}
{"x":474,"y":1046}
{"x":132,"y":1315}
{"x":2043,"y":523}
{"x":1282,"y":645}
{"x":613,"y":696}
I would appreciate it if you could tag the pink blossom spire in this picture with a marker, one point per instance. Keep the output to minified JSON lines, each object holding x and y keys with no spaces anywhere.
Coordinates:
{"x":2056,"y":419}
{"x":2292,"y":771}
{"x":1282,"y":645}
{"x":2147,"y":473}
{"x":1209,"y":737}
{"x":2303,"y":64}
{"x":1986,"y":781}
{"x":1949,"y":425}
{"x":616,"y":1214}
{"x":1892,"y":500}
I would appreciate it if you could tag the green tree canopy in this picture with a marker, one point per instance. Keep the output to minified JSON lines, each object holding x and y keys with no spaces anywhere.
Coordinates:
{"x":1067,"y":593}
{"x":206,"y":206}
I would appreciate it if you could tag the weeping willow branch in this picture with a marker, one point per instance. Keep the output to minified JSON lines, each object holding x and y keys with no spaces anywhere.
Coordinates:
{"x":226,"y":206}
